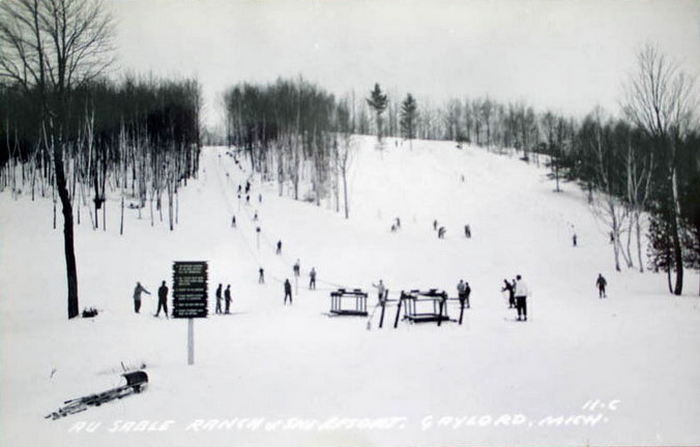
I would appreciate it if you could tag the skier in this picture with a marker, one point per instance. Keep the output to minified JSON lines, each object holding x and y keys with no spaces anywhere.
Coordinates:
{"x":260,"y":198}
{"x":218,"y":299}
{"x":521,"y":293}
{"x":162,"y":299}
{"x":435,"y":223}
{"x":247,"y":187}
{"x":137,"y":296}
{"x":279,"y":247}
{"x":296,"y":268}
{"x":247,"y":199}
{"x":227,"y":297}
{"x":393,"y":228}
{"x":381,"y":290}
{"x":239,"y":190}
{"x":467,"y":232}
{"x":511,"y":293}
{"x":612,"y":237}
{"x":574,"y":239}
{"x":467,"y":292}
{"x":255,"y":217}
{"x":287,"y":291}
{"x":233,"y":221}
{"x":312,"y":278}
{"x":441,"y":232}
{"x":398,"y":223}
{"x":461,"y":291}
{"x":261,"y":276}
{"x":601,"y":283}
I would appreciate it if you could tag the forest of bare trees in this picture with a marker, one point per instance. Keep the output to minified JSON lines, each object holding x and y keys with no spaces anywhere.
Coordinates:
{"x":69,"y":133}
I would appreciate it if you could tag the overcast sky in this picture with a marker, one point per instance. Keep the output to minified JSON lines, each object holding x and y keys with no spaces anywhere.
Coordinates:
{"x":564,"y":55}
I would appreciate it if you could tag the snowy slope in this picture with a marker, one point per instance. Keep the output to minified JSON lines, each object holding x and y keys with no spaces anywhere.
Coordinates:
{"x":638,"y":347}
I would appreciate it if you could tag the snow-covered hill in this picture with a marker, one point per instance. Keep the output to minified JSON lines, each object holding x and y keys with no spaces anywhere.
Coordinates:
{"x":636,"y":352}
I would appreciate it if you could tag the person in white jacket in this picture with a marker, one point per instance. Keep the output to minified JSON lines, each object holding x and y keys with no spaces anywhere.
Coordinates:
{"x":521,"y":294}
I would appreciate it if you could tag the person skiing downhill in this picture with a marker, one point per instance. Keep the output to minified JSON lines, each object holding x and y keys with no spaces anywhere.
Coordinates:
{"x":218,"y":299}
{"x":287,"y":291}
{"x":601,"y":283}
{"x":227,"y":298}
{"x":279,"y":248}
{"x":510,"y":287}
{"x":296,"y":268}
{"x":261,"y":276}
{"x":521,"y":294}
{"x":162,"y":299}
{"x":137,"y":296}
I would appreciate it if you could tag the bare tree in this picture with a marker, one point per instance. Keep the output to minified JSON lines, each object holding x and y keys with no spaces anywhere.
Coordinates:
{"x":659,"y":99}
{"x":47,"y":47}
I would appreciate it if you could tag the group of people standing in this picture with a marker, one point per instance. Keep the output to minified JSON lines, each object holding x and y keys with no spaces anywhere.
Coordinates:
{"x":162,"y":298}
{"x":226,"y":298}
{"x":517,"y":296}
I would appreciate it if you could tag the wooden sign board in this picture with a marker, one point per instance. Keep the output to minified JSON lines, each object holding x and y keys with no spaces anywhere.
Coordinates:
{"x":190,"y":289}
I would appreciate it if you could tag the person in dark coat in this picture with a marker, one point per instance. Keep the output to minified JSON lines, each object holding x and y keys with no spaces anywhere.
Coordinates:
{"x":233,"y":221}
{"x":261,"y":276}
{"x":574,"y":239}
{"x":162,"y":299}
{"x":312,"y":278}
{"x":287,"y":291}
{"x":296,"y":268}
{"x":511,"y":293}
{"x":218,"y":299}
{"x":601,"y":283}
{"x":279,"y":247}
{"x":467,"y":292}
{"x":137,"y":296}
{"x":227,"y":298}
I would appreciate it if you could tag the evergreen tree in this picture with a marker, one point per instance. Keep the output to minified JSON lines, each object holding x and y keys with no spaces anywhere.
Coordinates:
{"x":378,"y":102}
{"x":409,"y":116}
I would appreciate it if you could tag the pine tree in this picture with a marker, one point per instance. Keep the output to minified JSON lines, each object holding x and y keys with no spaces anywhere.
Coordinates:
{"x":409,"y":116}
{"x":378,"y":102}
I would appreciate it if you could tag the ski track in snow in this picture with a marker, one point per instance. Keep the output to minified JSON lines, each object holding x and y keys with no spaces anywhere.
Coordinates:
{"x":275,"y":361}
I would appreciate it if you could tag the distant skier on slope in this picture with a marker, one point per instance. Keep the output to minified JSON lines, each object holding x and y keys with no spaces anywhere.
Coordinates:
{"x":435,"y":225}
{"x":227,"y":298}
{"x":279,"y":247}
{"x":137,"y":296}
{"x":162,"y":299}
{"x":218,"y":300}
{"x":521,"y":294}
{"x":467,"y":232}
{"x":287,"y":291}
{"x":296,"y":268}
{"x":461,"y":290}
{"x":233,"y":221}
{"x":312,"y":278}
{"x":574,"y":239}
{"x":601,"y":283}
{"x":261,"y":276}
{"x":441,"y":232}
{"x":510,"y":287}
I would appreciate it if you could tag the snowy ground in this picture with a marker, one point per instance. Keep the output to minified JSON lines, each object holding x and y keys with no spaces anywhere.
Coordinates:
{"x":636,"y":352}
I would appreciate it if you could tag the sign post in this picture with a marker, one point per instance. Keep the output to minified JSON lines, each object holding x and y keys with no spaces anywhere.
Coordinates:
{"x":190,"y":297}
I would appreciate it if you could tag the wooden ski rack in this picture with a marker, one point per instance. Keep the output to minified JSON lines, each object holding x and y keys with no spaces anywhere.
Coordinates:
{"x":410,"y":301}
{"x":360,"y":300}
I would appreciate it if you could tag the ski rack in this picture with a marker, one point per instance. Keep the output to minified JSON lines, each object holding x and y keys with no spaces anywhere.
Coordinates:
{"x":409,"y":301}
{"x":136,"y":381}
{"x":359,"y":296}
